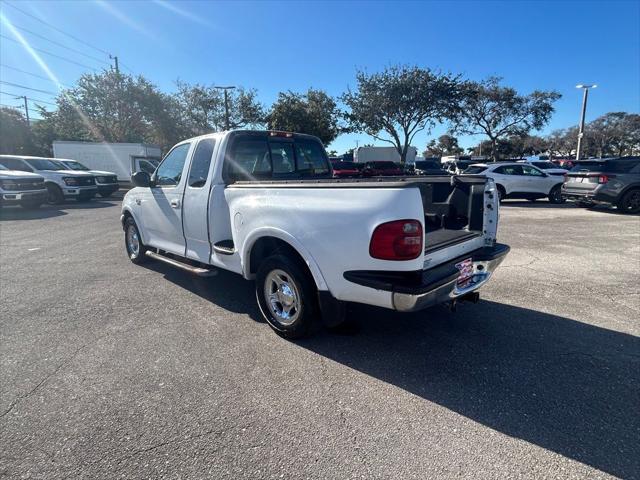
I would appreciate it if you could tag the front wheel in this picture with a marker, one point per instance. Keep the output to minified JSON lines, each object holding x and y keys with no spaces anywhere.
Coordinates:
{"x":630,"y":202}
{"x":286,"y":295}
{"x":105,"y":194}
{"x":54,"y":194}
{"x":136,"y":250}
{"x":555,"y":195}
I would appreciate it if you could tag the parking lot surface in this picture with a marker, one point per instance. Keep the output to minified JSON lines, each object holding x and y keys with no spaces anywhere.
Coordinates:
{"x":111,"y":370}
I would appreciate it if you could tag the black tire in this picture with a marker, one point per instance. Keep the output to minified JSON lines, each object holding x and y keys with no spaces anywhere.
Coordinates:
{"x":555,"y":195}
{"x":106,"y":194}
{"x":31,"y":205}
{"x":630,"y":201}
{"x":138,"y":255}
{"x":54,"y":194}
{"x":501,"y":193}
{"x":299,"y":289}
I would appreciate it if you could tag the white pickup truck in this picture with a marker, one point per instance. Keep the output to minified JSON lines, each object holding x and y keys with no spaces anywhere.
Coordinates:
{"x":263,"y":204}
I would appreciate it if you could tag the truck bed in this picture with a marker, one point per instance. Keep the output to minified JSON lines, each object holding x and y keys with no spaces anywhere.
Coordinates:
{"x":453,"y":205}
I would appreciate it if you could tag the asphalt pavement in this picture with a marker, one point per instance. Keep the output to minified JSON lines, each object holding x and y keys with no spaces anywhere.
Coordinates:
{"x":111,"y":370}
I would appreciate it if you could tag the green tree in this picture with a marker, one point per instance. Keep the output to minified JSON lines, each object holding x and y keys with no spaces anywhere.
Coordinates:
{"x":397,"y":103}
{"x":615,"y":133}
{"x":500,"y":112}
{"x":313,"y":112}
{"x":445,"y":145}
{"x":15,"y":135}
{"x":203,"y":108}
{"x":112,"y":107}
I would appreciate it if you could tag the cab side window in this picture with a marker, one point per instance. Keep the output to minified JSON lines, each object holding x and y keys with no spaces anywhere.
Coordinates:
{"x":531,"y":171}
{"x":16,"y":164}
{"x":201,"y":162}
{"x":169,"y":172}
{"x":509,"y":170}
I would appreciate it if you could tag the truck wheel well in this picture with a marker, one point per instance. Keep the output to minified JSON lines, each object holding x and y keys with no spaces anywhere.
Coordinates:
{"x":125,"y":216}
{"x":267,"y":246}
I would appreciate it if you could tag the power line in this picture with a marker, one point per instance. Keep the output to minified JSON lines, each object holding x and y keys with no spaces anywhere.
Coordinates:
{"x":62,"y":45}
{"x":28,"y":88}
{"x":57,"y":29}
{"x":42,"y":77}
{"x":30,"y":98}
{"x":52,"y":54}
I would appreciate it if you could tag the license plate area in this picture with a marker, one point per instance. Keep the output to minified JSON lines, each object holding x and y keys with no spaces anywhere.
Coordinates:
{"x":465,"y":267}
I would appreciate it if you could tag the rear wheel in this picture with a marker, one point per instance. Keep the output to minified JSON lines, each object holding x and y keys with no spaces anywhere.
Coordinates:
{"x":287,"y":296}
{"x":105,"y":194}
{"x":136,"y":250}
{"x":555,"y":195}
{"x":54,"y":194}
{"x":630,"y":202}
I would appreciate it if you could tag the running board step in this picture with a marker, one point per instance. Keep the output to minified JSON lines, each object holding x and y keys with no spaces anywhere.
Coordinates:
{"x":199,"y":271}
{"x":224,"y":247}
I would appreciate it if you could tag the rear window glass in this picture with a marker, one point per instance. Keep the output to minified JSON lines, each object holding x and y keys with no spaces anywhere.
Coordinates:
{"x":422,"y":165}
{"x":345,"y":166}
{"x":382,"y":165}
{"x":590,"y":167}
{"x":256,"y":158}
{"x":201,"y":162}
{"x":622,"y":166}
{"x":544,"y":165}
{"x":475,"y":170}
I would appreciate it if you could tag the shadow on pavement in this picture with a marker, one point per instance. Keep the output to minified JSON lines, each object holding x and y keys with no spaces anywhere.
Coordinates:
{"x":563,"y":385}
{"x":536,"y":204}
{"x":19,"y":213}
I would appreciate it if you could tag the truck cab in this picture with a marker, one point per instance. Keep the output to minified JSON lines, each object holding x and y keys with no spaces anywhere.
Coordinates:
{"x":264,"y":205}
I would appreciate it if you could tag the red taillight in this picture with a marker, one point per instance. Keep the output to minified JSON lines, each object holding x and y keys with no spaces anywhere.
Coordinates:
{"x":399,"y":240}
{"x":604,"y":178}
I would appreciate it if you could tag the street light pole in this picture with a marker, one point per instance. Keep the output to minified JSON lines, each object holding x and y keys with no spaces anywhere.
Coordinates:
{"x":226,"y":104}
{"x":585,"y":97}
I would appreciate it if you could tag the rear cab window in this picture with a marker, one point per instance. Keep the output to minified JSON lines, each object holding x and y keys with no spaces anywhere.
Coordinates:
{"x":255,"y":157}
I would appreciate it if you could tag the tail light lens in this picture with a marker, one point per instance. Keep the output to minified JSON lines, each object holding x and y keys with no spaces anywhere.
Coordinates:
{"x":604,"y":178}
{"x":398,"y":240}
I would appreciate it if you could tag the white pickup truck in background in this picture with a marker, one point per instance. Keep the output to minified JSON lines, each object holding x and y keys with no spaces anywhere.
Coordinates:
{"x":263,"y":204}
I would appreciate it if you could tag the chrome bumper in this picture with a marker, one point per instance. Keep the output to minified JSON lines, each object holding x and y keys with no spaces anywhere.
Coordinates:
{"x":482,"y":271}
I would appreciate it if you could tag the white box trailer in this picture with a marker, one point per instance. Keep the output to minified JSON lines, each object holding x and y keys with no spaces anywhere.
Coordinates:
{"x":384,"y":154}
{"x":123,"y":159}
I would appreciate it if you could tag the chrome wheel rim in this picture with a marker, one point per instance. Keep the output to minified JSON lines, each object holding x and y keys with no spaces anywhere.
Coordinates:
{"x":282,"y":296}
{"x":133,"y":243}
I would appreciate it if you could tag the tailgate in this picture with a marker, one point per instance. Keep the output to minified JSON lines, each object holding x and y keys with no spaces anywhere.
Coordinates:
{"x":581,"y":182}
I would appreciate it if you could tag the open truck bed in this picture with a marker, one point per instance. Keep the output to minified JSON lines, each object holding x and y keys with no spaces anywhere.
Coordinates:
{"x":453,"y":205}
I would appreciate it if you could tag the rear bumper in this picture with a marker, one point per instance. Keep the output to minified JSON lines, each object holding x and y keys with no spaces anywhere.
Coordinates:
{"x":412,"y":291}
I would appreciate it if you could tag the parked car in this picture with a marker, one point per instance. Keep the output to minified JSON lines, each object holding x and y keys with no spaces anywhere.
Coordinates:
{"x":382,"y":169}
{"x":263,"y":205}
{"x":456,"y":167}
{"x":346,"y":169}
{"x":520,"y":180}
{"x":611,"y":181}
{"x":107,"y":182}
{"x":429,"y":167}
{"x":21,"y":188}
{"x":60,"y":183}
{"x":547,"y":166}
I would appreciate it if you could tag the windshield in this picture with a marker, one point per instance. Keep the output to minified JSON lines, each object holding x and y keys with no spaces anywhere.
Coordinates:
{"x":44,"y":164}
{"x":75,"y":165}
{"x":425,"y":165}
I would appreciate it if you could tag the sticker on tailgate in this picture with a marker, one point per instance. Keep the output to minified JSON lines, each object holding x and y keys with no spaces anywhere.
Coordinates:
{"x":466,"y":271}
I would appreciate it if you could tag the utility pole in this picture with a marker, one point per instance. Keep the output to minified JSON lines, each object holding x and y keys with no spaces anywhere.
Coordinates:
{"x":115,"y":59}
{"x":226,"y":104}
{"x":26,"y":109}
{"x":585,"y":97}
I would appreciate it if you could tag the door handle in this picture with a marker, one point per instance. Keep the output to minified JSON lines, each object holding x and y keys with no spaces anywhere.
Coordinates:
{"x":175,"y":203}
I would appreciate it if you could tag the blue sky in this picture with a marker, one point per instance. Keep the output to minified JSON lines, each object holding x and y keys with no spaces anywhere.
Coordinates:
{"x":277,"y":46}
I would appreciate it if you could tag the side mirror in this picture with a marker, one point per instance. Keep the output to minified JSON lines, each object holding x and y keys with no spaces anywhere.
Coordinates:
{"x":141,"y":179}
